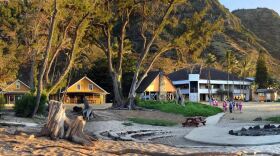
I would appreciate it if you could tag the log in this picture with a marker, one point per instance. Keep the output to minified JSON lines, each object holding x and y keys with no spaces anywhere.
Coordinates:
{"x":59,"y":126}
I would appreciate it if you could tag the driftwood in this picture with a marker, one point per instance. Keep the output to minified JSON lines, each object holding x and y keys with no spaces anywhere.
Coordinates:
{"x":59,"y":126}
{"x":194,"y":121}
{"x":88,"y":110}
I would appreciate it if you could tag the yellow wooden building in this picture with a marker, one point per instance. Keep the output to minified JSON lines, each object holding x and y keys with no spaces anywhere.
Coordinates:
{"x":83,"y":88}
{"x":14,"y":91}
{"x":157,"y":86}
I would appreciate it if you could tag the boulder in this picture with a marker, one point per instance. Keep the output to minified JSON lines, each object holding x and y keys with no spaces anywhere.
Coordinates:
{"x":266,"y":126}
{"x":257,"y":127}
{"x":243,"y":129}
{"x":77,"y":109}
{"x":258,"y":119}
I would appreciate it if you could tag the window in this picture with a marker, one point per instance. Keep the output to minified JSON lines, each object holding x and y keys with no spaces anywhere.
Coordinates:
{"x":79,"y":87}
{"x":17,"y":85}
{"x":90,"y":86}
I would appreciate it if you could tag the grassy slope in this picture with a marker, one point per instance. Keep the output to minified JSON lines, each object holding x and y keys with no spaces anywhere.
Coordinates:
{"x":190,"y":109}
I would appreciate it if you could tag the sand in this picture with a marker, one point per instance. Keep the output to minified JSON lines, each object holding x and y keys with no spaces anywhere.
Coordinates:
{"x":24,"y":145}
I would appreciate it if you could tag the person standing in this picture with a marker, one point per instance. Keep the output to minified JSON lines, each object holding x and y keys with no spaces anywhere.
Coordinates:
{"x":225,"y":105}
{"x":230,"y":106}
{"x":240,"y":106}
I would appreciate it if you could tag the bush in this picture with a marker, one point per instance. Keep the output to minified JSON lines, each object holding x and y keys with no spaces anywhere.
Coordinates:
{"x":2,"y":101}
{"x":153,"y":122}
{"x":190,"y":109}
{"x":25,"y":106}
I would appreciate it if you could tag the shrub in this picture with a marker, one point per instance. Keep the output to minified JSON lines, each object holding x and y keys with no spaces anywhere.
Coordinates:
{"x":190,"y":109}
{"x":2,"y":101}
{"x":25,"y":106}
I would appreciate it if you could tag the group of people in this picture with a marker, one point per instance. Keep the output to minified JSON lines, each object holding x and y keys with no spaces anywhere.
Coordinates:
{"x":232,"y":105}
{"x":228,"y":105}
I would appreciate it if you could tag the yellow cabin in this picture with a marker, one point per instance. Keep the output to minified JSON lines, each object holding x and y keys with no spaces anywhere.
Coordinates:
{"x":83,"y":88}
{"x":14,"y":91}
{"x":156,"y":86}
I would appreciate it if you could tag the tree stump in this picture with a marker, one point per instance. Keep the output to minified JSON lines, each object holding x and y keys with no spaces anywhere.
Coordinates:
{"x":179,"y":97}
{"x":59,"y":126}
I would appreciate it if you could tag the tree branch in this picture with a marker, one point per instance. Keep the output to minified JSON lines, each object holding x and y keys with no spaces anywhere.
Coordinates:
{"x":72,"y":55}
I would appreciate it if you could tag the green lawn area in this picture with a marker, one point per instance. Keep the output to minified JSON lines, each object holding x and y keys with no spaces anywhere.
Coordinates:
{"x":153,"y":122}
{"x":190,"y":109}
{"x":275,"y":119}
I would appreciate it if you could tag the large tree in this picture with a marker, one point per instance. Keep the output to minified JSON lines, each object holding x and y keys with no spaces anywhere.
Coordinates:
{"x":230,"y":63}
{"x":262,"y":76}
{"x":145,"y":30}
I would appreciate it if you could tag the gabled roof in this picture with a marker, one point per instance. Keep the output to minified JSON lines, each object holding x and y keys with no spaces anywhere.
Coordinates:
{"x":183,"y":74}
{"x":85,"y":77}
{"x":147,"y":81}
{"x":11,"y":83}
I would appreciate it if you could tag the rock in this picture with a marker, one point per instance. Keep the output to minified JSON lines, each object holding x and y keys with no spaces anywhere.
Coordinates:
{"x":258,"y":119}
{"x":266,"y":126}
{"x":257,"y":127}
{"x":272,"y":126}
{"x":77,"y":109}
{"x":279,"y":126}
{"x":231,"y":132}
{"x":243,"y":129}
{"x":250,"y":128}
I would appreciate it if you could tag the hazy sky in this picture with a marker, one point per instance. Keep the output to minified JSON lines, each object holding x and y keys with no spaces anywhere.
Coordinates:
{"x":249,"y":4}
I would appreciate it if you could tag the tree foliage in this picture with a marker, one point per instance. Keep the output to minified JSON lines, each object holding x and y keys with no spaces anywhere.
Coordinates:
{"x":262,"y":76}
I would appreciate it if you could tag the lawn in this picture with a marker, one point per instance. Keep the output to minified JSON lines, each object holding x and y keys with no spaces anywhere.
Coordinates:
{"x":275,"y":119}
{"x":190,"y":109}
{"x":153,"y":122}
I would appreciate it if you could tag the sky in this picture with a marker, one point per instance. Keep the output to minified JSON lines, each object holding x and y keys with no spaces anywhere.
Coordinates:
{"x":251,"y":4}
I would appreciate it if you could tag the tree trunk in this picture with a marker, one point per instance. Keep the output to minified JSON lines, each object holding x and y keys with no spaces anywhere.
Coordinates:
{"x":209,"y":94}
{"x":58,"y":126}
{"x":119,"y":101}
{"x":45,"y":60}
{"x":31,"y":72}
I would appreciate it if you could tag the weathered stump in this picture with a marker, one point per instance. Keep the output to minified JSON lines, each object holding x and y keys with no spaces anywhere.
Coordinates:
{"x":59,"y":126}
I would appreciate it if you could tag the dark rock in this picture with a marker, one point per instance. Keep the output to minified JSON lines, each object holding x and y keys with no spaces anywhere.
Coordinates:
{"x":279,"y":126}
{"x":258,"y":119}
{"x":77,"y":109}
{"x":243,"y":129}
{"x":250,"y":128}
{"x":266,"y":126}
{"x":231,"y":132}
{"x":272,"y":126}
{"x":257,"y":127}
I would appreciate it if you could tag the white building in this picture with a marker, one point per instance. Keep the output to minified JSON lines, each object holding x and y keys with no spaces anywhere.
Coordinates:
{"x":194,"y":84}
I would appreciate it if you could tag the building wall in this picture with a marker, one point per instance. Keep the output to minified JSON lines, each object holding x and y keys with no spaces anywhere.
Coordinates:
{"x":215,"y":84}
{"x":84,"y":87}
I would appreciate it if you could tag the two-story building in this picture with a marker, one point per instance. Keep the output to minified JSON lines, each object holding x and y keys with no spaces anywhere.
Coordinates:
{"x":194,"y":84}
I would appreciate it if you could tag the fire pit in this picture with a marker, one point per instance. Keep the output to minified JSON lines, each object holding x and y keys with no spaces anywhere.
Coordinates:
{"x":257,"y":131}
